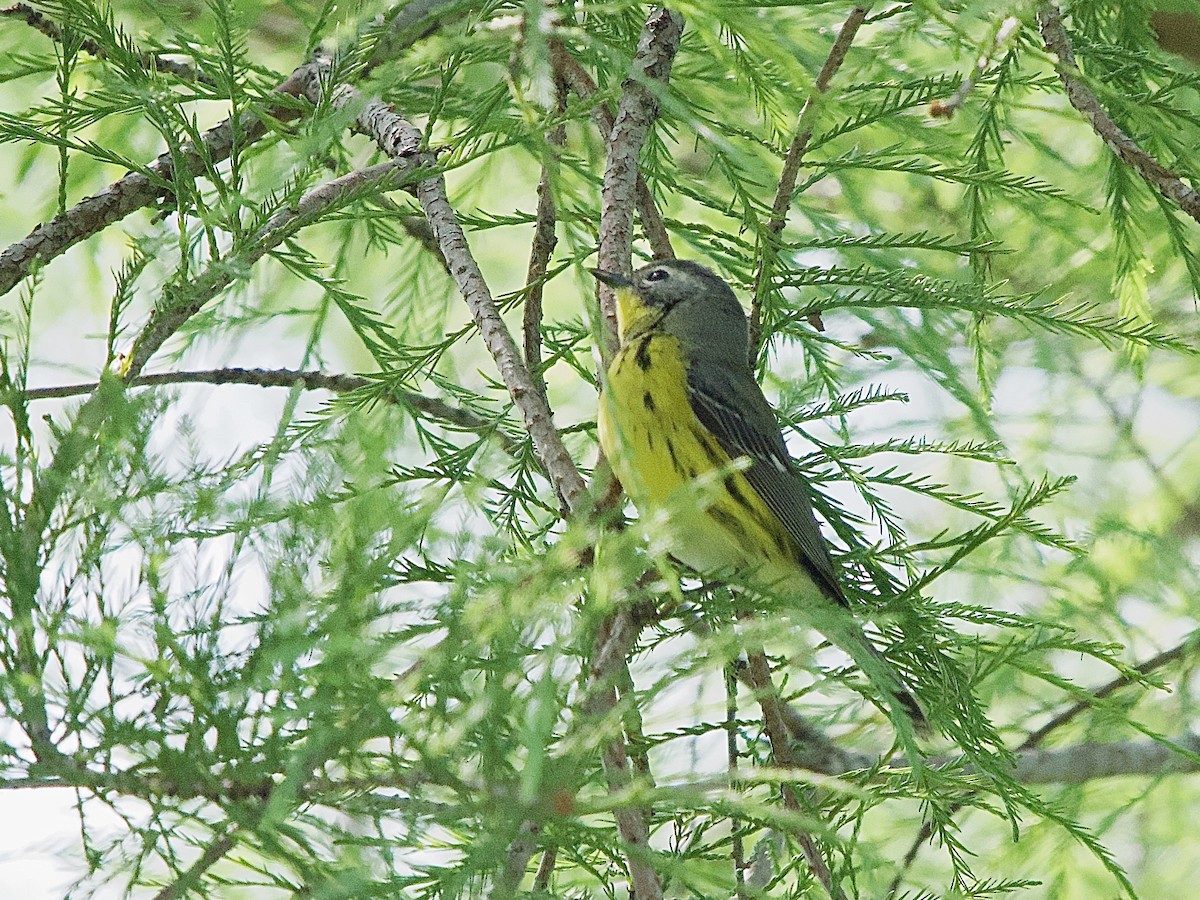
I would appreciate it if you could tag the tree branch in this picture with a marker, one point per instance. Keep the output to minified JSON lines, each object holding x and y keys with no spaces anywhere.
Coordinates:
{"x":1005,"y":31}
{"x":51,"y":29}
{"x":1080,"y":96}
{"x":1167,"y":657}
{"x":539,"y":420}
{"x":582,"y":85}
{"x":759,"y":672}
{"x":791,"y":170}
{"x":615,"y":642}
{"x":636,"y":112}
{"x":168,"y":317}
{"x":544,"y":241}
{"x":27,"y":553}
{"x":1088,"y":762}
{"x":154,"y":183}
{"x":312,"y":380}
{"x":1032,"y":763}
{"x":183,"y":885}
{"x":137,"y":190}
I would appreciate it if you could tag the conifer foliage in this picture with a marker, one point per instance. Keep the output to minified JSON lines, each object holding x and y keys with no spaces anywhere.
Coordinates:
{"x":314,"y":585}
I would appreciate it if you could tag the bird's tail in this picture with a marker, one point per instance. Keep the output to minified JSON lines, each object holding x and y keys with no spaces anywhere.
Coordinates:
{"x":849,"y":636}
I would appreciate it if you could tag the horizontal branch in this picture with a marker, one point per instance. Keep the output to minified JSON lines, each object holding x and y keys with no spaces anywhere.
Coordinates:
{"x":1080,"y":763}
{"x":1073,"y":764}
{"x":311,"y":380}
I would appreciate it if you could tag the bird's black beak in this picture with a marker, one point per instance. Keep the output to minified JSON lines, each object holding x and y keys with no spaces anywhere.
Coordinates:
{"x":612,"y":279}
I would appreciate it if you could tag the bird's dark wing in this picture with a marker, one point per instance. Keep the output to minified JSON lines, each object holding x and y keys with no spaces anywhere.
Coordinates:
{"x":731,"y":406}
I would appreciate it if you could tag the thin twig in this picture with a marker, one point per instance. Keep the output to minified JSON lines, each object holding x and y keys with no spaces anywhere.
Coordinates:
{"x":737,"y":848}
{"x":791,"y":169}
{"x":781,"y":751}
{"x":53,"y":30}
{"x":1180,"y":650}
{"x":999,"y":44}
{"x":184,"y":884}
{"x":544,"y":241}
{"x":541,"y":881}
{"x":1080,"y":96}
{"x":310,"y":379}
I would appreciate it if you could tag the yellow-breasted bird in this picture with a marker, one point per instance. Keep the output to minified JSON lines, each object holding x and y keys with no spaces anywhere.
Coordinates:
{"x":680,"y":402}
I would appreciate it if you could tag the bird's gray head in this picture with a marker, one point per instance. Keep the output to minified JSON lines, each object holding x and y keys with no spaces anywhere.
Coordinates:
{"x":685,"y":299}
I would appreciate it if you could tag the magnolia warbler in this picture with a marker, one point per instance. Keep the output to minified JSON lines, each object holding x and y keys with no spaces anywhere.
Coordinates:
{"x":680,"y":404}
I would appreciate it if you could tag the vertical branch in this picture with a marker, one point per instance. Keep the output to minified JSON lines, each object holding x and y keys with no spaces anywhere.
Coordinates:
{"x":614,"y":642}
{"x":781,"y":751}
{"x":544,"y":241}
{"x":582,"y":85}
{"x":636,"y":112}
{"x":791,"y":170}
{"x":737,"y":848}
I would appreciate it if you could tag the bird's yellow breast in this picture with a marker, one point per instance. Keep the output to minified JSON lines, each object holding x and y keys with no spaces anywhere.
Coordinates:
{"x":657,"y":446}
{"x":646,"y":423}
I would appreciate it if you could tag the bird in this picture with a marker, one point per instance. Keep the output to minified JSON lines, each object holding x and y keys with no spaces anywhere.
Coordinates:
{"x":682,"y":420}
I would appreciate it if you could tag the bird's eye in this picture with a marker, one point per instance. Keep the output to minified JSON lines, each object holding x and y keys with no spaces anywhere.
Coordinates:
{"x":658,"y":275}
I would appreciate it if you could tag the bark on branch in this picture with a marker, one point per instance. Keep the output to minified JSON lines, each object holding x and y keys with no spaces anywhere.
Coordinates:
{"x":1080,"y":96}
{"x":791,"y":170}
{"x":636,"y":112}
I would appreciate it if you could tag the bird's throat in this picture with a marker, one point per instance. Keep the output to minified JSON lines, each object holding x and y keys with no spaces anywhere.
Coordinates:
{"x":633,"y":315}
